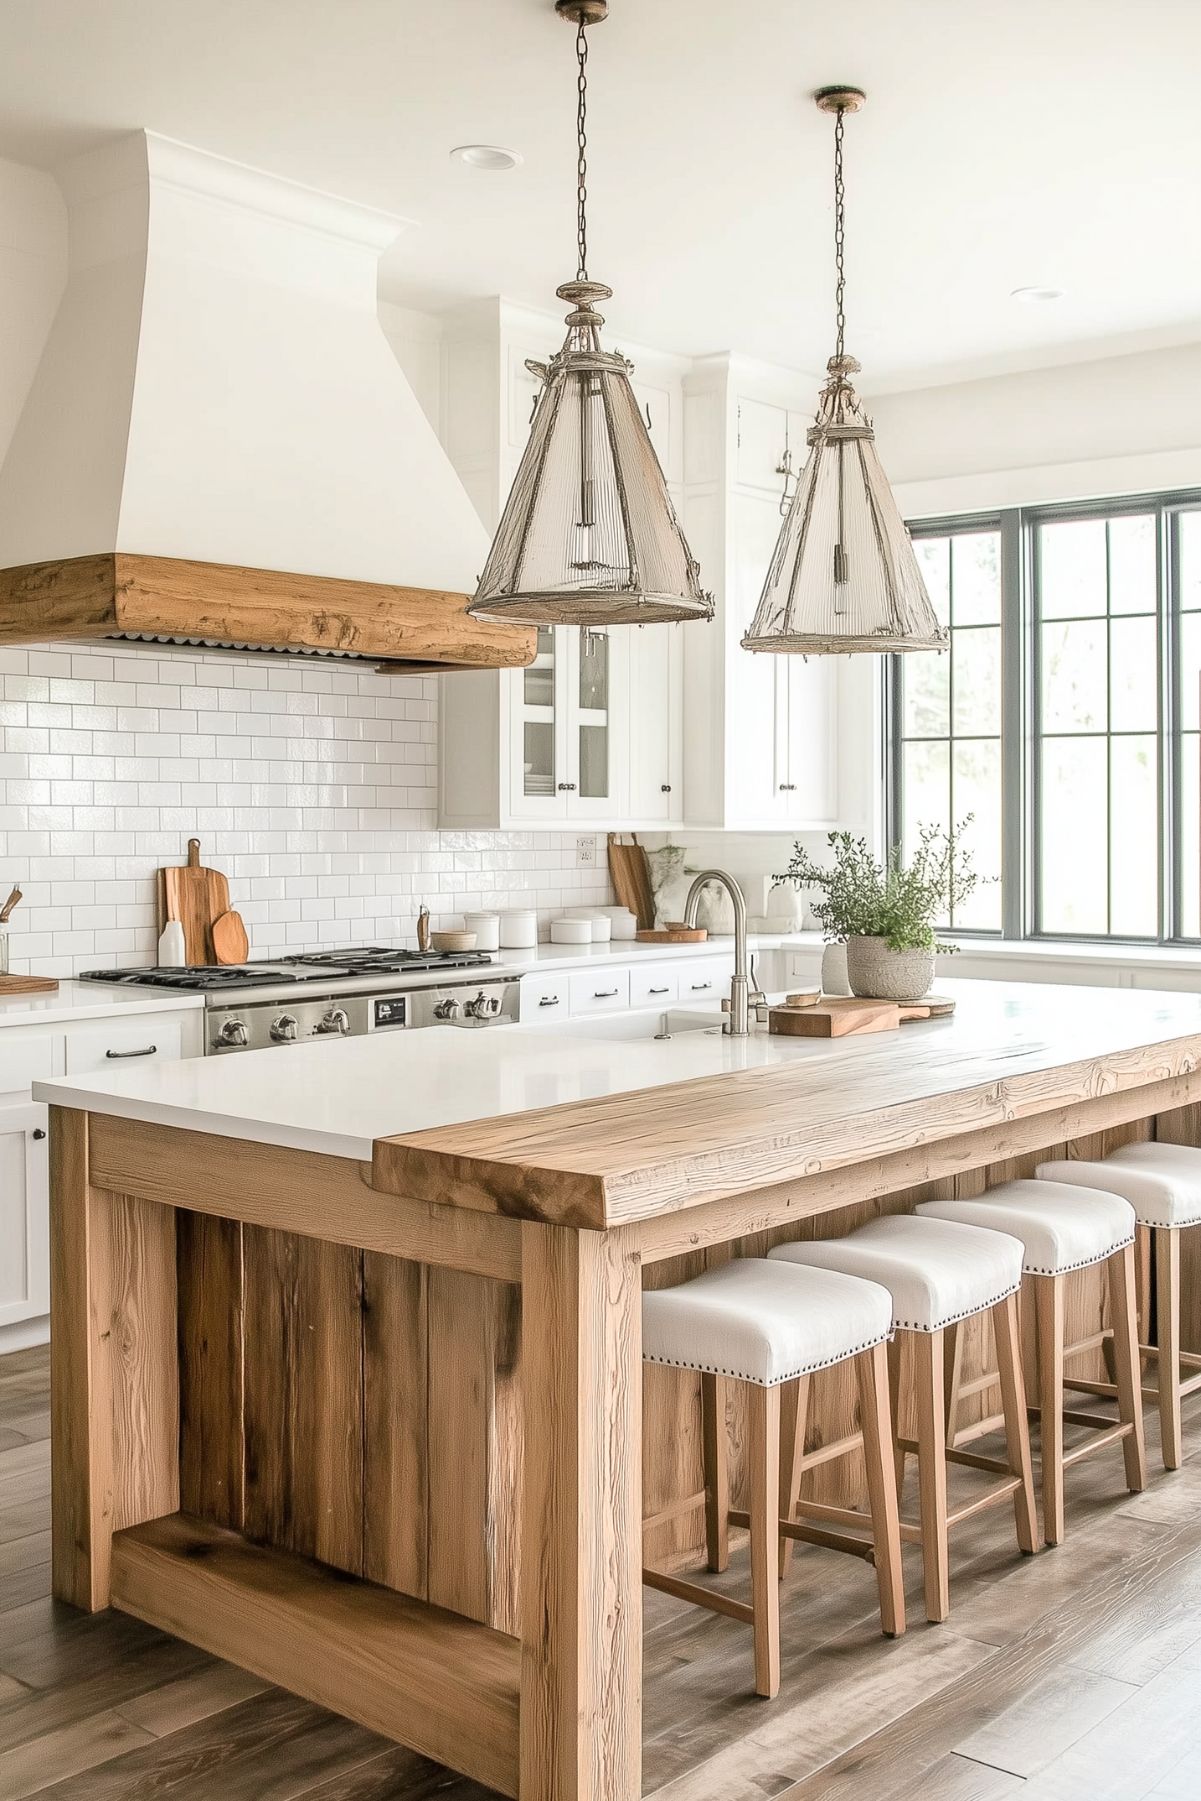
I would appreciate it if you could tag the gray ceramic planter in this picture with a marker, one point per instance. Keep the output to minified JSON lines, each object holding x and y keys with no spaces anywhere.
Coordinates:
{"x":878,"y":973}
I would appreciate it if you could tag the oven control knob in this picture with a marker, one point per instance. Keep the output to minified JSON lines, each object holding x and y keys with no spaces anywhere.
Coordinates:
{"x":484,"y":1006}
{"x":233,"y":1032}
{"x":335,"y":1021}
{"x":283,"y":1029}
{"x":448,"y":1009}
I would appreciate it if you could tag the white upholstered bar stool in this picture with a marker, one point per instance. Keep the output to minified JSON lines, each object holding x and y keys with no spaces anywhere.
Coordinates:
{"x":939,"y":1273}
{"x":765,"y":1324}
{"x":1162,"y":1182}
{"x":1063,"y":1229}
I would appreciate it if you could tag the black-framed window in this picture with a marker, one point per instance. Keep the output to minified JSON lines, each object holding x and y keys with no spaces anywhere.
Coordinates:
{"x":1066,"y":716}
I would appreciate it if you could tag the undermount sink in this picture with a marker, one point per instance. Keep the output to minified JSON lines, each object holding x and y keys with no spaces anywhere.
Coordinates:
{"x":671,"y":1023}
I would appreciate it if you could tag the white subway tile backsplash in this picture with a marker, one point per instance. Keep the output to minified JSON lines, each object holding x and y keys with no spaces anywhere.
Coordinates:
{"x":313,"y":789}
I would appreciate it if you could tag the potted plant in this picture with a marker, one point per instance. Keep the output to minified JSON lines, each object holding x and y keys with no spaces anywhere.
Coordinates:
{"x":885,"y":912}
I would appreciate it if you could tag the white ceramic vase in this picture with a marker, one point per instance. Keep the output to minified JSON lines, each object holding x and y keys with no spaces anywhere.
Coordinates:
{"x":877,"y":972}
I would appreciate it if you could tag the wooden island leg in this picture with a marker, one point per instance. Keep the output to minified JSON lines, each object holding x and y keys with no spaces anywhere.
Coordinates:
{"x":581,"y":1556}
{"x":114,"y":1381}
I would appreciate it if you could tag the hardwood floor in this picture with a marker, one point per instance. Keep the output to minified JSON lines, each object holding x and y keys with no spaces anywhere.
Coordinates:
{"x":1071,"y":1676}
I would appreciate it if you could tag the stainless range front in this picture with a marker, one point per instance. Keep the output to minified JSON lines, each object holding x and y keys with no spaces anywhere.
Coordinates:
{"x":258,"y":1022}
{"x":335,"y":994}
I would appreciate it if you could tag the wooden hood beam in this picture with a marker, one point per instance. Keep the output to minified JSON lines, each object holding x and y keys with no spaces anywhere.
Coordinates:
{"x":411,"y":630}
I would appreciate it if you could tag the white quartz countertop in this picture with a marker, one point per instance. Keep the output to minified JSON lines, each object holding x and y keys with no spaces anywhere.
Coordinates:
{"x":88,"y":1000}
{"x":338,"y":1097}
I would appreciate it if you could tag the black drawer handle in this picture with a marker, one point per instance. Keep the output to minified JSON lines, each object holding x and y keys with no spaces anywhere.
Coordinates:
{"x":697,"y":986}
{"x":659,"y":990}
{"x":604,"y":994}
{"x":39,"y":1132}
{"x":787,"y":787}
{"x":147,"y":1050}
{"x":549,"y":1000}
{"x":665,"y":787}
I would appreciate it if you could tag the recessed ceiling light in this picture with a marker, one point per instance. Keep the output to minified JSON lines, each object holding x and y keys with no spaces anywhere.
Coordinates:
{"x":486,"y":156}
{"x":1036,"y":296}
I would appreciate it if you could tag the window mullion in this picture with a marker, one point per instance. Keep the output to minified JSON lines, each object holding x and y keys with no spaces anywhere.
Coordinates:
{"x":1015,"y":672}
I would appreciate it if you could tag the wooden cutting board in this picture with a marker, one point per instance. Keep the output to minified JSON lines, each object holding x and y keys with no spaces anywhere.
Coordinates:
{"x":230,"y":943}
{"x":27,"y":985}
{"x":837,"y":1018}
{"x":630,"y":875}
{"x":673,"y":934}
{"x":196,"y":897}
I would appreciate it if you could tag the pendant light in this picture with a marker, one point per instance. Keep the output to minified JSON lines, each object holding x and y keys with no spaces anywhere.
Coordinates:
{"x":588,"y":536}
{"x":843,"y":576}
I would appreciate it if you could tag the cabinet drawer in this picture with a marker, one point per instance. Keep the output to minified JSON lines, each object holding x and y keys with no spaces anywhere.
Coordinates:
{"x":118,"y":1043}
{"x":544,"y":998}
{"x":705,"y":981}
{"x":658,"y":986}
{"x":27,"y":1057}
{"x":600,"y":990}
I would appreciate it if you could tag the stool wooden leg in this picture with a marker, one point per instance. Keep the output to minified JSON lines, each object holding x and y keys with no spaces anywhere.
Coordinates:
{"x":952,"y":1372}
{"x":763,"y":1482}
{"x":1007,"y":1333}
{"x":1048,"y":1313}
{"x":896,"y":1382}
{"x":715,"y":1451}
{"x":871,"y":1371}
{"x":794,"y":1410}
{"x":1127,"y":1367}
{"x":928,"y":1370}
{"x":1167,"y":1337}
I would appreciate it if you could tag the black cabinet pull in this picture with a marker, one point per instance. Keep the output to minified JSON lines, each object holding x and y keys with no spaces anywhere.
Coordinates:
{"x":39,"y":1132}
{"x":147,"y":1050}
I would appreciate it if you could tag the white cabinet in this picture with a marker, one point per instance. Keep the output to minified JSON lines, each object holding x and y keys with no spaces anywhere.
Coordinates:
{"x":779,"y":764}
{"x":29,"y":1054}
{"x":24,"y":1213}
{"x":656,"y":729}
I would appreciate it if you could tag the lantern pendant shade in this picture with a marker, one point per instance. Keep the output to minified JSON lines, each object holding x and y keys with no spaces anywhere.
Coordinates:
{"x":589,"y":535}
{"x":843,"y":576}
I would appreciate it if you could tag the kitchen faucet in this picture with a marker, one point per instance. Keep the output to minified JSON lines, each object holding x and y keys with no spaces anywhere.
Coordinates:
{"x":737,"y":1007}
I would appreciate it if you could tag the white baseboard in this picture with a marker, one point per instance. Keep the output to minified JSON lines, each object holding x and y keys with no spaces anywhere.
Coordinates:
{"x":23,"y":1333}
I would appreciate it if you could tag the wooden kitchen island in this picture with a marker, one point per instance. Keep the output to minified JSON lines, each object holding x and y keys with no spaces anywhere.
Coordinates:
{"x":346,"y":1339}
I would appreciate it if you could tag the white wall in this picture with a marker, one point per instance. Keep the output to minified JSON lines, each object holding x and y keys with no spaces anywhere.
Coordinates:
{"x":1123,"y":425}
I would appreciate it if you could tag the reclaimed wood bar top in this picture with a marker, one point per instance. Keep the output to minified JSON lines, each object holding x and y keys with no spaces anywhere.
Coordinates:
{"x":1010,"y":1051}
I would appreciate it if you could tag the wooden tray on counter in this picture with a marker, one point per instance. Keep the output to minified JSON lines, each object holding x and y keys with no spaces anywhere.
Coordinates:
{"x":27,"y":985}
{"x":837,"y":1017}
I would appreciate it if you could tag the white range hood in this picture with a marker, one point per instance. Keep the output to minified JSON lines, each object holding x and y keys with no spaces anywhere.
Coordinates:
{"x":216,"y":390}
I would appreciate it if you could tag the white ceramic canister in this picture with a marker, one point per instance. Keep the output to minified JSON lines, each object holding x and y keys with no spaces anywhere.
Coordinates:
{"x":571,"y":931}
{"x":519,"y":930}
{"x":625,"y":923}
{"x":486,"y":927}
{"x":602,"y":927}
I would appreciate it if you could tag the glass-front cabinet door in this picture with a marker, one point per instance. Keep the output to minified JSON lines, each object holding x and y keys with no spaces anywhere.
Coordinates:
{"x":570,"y":726}
{"x":597,"y":721}
{"x":539,"y":779}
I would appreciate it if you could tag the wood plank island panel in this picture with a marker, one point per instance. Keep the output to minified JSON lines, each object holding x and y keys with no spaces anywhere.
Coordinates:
{"x":617,"y":1159}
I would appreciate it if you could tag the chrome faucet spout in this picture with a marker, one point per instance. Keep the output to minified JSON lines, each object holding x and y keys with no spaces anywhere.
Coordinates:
{"x":737,"y":1008}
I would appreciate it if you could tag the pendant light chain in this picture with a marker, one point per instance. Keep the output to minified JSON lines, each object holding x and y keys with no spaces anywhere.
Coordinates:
{"x":581,"y":51}
{"x":840,"y":233}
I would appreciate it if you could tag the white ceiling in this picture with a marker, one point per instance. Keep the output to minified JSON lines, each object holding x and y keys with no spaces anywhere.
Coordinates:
{"x":1048,"y":142}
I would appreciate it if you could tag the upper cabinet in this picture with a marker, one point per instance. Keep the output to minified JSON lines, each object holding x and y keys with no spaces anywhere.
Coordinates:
{"x":777,"y":761}
{"x":593,"y":729}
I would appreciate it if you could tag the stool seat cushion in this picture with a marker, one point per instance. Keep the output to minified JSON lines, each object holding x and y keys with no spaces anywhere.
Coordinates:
{"x":1061,"y":1228}
{"x":936,"y":1272}
{"x":763,"y":1322}
{"x":1162,"y":1182}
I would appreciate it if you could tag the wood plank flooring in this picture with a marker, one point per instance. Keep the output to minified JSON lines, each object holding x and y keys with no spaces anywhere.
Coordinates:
{"x":1071,"y":1676}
